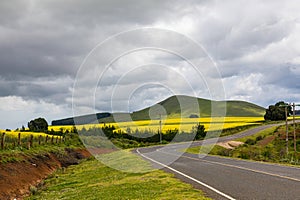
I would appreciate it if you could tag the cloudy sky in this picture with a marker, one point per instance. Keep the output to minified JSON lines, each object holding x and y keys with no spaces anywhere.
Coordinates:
{"x":63,"y":57}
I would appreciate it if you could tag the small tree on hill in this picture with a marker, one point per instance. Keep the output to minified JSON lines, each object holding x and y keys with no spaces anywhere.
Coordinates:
{"x":200,"y":132}
{"x":38,"y":125}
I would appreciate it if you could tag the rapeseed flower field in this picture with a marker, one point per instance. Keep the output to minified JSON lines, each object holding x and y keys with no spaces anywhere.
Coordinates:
{"x":23,"y":134}
{"x":182,"y":124}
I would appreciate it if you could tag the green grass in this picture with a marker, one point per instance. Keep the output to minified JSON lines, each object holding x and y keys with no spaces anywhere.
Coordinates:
{"x":268,"y":145}
{"x":263,"y":134}
{"x":94,"y":180}
{"x":218,"y":150}
{"x":20,"y":154}
{"x":231,"y":131}
{"x":124,"y":160}
{"x":207,"y":149}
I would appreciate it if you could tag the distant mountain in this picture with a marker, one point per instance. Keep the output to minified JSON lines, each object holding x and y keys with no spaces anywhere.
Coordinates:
{"x":174,"y":107}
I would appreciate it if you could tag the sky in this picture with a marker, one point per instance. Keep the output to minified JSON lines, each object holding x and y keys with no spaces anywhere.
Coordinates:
{"x":59,"y":58}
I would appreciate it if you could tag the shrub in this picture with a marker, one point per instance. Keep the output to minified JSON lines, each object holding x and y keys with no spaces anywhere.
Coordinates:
{"x":33,"y":190}
{"x":258,"y":138}
{"x":250,"y":141}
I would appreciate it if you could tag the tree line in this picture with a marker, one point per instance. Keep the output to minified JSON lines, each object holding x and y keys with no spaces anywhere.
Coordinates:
{"x":147,"y":136}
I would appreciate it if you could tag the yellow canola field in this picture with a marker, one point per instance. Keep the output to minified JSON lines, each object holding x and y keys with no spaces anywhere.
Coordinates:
{"x":69,"y":128}
{"x":182,"y":124}
{"x":291,"y":117}
{"x":24,"y":134}
{"x":186,"y":124}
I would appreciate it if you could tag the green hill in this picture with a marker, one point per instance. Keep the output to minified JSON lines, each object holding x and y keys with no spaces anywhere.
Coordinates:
{"x":174,"y":107}
{"x":185,"y":106}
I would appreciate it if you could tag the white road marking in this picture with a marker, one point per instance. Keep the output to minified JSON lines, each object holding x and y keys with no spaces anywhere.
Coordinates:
{"x":234,"y":166}
{"x":187,"y":176}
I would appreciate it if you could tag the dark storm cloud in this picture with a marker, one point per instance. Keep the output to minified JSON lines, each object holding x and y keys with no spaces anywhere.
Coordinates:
{"x":51,"y":38}
{"x":49,"y":89}
{"x":235,"y":28}
{"x":42,"y":44}
{"x":12,"y":10}
{"x":40,"y":51}
{"x":237,"y":41}
{"x":283,"y":76}
{"x":95,"y":13}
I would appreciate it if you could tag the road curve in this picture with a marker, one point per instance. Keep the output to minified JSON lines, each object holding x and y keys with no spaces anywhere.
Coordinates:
{"x":226,"y":178}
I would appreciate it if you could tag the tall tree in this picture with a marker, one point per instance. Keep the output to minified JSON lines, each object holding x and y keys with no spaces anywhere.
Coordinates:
{"x":200,"y":132}
{"x":277,"y":112}
{"x":38,"y":125}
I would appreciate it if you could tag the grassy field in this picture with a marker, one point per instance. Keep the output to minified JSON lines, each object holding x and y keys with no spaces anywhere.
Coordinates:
{"x":268,"y":145}
{"x":93,"y":180}
{"x":218,"y":150}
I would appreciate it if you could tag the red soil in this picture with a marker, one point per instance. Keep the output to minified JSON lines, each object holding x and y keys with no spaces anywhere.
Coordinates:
{"x":95,"y":151}
{"x":16,"y":178}
{"x":266,"y":141}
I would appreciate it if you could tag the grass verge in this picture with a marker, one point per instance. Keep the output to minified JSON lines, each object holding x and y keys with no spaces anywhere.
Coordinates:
{"x":268,"y":145}
{"x":94,"y":180}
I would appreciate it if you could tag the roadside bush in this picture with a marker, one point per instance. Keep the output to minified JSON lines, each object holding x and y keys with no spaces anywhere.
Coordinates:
{"x":244,"y":155}
{"x":250,"y":141}
{"x":224,"y":152}
{"x":258,"y":138}
{"x":267,"y":154}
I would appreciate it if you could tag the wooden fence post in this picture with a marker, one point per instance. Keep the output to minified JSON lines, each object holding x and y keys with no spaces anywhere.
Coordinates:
{"x":40,"y":137}
{"x":46,"y":139}
{"x":19,"y":139}
{"x":3,"y":141}
{"x":30,"y":141}
{"x":52,"y":139}
{"x":56,"y":139}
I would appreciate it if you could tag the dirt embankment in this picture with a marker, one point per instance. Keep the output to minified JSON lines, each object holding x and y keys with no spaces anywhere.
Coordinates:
{"x":230,"y":144}
{"x":16,"y":178}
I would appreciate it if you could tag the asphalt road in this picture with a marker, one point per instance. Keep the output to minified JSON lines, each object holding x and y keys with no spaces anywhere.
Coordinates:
{"x":225,"y":178}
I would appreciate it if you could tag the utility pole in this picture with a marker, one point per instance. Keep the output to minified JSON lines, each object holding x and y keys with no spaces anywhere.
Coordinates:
{"x":287,"y":129}
{"x":286,"y":126}
{"x":294,"y":111}
{"x":294,"y":125}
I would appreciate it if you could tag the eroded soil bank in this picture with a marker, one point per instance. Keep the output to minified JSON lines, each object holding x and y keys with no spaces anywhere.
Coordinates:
{"x":16,"y":178}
